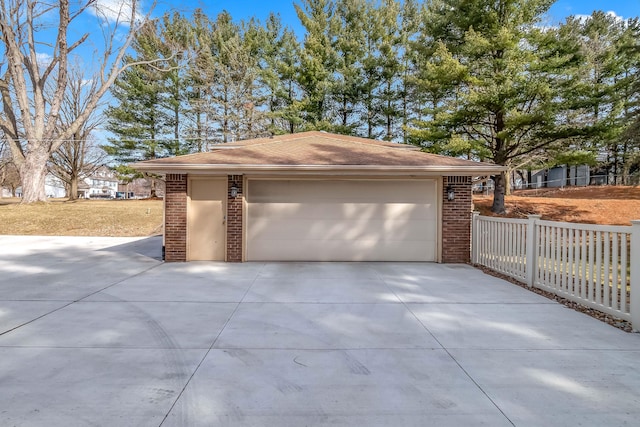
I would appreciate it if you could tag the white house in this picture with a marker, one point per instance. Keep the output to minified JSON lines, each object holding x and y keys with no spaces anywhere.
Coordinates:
{"x":102,"y":184}
{"x":54,"y":187}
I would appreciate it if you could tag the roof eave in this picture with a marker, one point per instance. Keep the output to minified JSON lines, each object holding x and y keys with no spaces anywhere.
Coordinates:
{"x":200,"y":169}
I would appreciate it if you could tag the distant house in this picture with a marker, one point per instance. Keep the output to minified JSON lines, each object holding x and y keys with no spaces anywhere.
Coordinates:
{"x":54,"y":187}
{"x":560,"y":177}
{"x":140,"y":188}
{"x":103,"y":183}
{"x":83,"y":190}
{"x":6,"y":192}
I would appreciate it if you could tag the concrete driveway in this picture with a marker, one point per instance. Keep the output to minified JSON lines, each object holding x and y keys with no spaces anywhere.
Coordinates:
{"x":97,"y":331}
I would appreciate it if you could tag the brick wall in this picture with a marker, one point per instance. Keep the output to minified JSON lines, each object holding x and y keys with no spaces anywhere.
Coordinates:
{"x":175,"y":219}
{"x":456,"y":220}
{"x":234,"y":219}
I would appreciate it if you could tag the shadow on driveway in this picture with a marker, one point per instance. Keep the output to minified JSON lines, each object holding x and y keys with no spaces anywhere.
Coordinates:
{"x":150,"y":247}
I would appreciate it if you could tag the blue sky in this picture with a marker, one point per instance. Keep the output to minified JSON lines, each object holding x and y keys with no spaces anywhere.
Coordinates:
{"x":243,"y":9}
{"x":622,"y":8}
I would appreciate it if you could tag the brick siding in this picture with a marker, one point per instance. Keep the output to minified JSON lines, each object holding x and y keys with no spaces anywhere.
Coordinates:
{"x":456,"y":220}
{"x":175,"y":220}
{"x":234,"y":219}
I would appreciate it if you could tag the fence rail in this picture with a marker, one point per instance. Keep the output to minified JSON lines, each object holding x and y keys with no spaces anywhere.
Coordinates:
{"x":589,"y":264}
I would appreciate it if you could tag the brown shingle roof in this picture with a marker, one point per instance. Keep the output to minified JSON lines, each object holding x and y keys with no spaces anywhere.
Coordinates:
{"x":308,"y":150}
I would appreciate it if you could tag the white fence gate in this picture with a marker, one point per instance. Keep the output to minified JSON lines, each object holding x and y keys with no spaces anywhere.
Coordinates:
{"x":595,"y":265}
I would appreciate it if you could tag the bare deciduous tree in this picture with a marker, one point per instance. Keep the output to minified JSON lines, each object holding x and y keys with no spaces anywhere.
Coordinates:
{"x":79,"y":156}
{"x":30,"y":116}
{"x":9,"y":177}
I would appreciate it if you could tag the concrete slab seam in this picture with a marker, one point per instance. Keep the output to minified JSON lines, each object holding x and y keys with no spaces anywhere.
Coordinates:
{"x":80,"y":299}
{"x":213,"y":343}
{"x":447,"y":351}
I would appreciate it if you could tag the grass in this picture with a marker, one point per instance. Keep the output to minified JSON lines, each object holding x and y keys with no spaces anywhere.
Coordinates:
{"x":117,"y":218}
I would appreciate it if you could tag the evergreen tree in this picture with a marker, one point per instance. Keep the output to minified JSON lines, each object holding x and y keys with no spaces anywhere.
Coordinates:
{"x":347,"y":86}
{"x":200,"y":126}
{"x":390,"y":15}
{"x":604,"y":96}
{"x":371,"y":73}
{"x":629,"y":84}
{"x":279,"y":62}
{"x":226,"y":79}
{"x":623,"y":146}
{"x":318,"y":62}
{"x":505,"y":98}
{"x":409,"y":57}
{"x":147,"y":116}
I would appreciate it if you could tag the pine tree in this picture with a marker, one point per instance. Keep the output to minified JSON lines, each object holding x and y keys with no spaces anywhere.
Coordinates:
{"x":279,"y":62}
{"x":349,"y":47}
{"x":147,"y":116}
{"x":226,"y":79}
{"x":318,"y":62}
{"x":604,"y":96}
{"x":504,"y":100}
{"x":390,"y":64}
{"x":628,"y":47}
{"x":371,"y":73}
{"x":409,"y":56}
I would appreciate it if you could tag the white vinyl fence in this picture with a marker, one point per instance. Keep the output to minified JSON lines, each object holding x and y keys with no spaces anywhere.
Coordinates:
{"x":595,"y":265}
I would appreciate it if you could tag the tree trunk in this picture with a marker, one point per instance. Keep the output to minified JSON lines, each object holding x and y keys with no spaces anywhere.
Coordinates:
{"x":388,"y":113}
{"x":33,"y":172}
{"x":73,"y":188}
{"x":498,"y":194}
{"x":345,"y":115}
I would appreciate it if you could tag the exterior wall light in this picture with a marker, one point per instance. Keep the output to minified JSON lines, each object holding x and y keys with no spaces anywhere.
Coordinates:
{"x":234,"y":191}
{"x":451,"y":195}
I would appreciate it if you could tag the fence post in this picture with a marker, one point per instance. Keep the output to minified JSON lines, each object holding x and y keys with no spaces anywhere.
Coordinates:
{"x":475,"y":238}
{"x":635,"y":275}
{"x":531,"y":249}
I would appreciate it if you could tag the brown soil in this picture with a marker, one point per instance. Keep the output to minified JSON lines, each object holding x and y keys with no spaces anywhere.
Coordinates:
{"x":82,"y":218}
{"x":591,"y":205}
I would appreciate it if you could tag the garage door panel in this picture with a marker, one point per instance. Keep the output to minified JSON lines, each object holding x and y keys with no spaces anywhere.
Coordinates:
{"x":332,"y":250}
{"x":269,"y":191}
{"x":363,"y":211}
{"x":314,"y":229}
{"x":354,"y":220}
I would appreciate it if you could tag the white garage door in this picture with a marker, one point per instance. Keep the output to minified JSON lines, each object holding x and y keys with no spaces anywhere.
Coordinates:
{"x":351,"y":220}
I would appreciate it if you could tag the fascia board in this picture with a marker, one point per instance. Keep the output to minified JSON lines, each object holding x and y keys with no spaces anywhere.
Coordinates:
{"x":177,"y":168}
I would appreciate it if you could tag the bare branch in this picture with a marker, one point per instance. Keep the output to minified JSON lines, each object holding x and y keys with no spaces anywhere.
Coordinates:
{"x":33,"y":94}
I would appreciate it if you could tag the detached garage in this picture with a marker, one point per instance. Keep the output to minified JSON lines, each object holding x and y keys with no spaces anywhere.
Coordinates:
{"x":316,"y":196}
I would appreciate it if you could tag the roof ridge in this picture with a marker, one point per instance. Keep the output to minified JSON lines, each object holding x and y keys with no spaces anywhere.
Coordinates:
{"x":274,"y":139}
{"x":365,"y":141}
